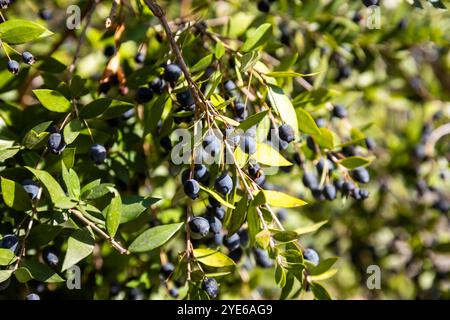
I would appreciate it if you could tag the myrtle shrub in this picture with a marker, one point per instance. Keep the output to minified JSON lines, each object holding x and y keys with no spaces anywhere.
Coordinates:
{"x":212,"y":150}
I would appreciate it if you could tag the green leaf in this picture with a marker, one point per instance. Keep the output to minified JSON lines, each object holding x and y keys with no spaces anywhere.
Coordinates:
{"x":280,"y":276}
{"x":79,"y":246}
{"x":310,"y":228}
{"x":72,"y":130}
{"x":6,"y":257}
{"x":53,"y":100}
{"x":216,"y":196}
{"x":323,"y":266}
{"x":14,"y":195}
{"x":202,"y":64}
{"x":241,"y":157}
{"x":307,"y":123}
{"x":96,"y":191}
{"x":262,"y":238}
{"x":95,"y":108}
{"x":71,"y":181}
{"x":40,"y":272}
{"x":219,"y":50}
{"x":354,"y":162}
{"x":36,"y":136}
{"x":8,"y":153}
{"x":57,"y":194}
{"x":323,"y":276}
{"x":248,"y":60}
{"x":257,"y":38}
{"x":133,"y":206}
{"x":238,"y":216}
{"x":267,"y":155}
{"x":5,"y":275}
{"x":43,"y":233}
{"x":285,"y":236}
{"x":283,"y":106}
{"x":326,"y":139}
{"x":254,"y":223}
{"x":288,"y":286}
{"x":213,"y":258}
{"x":254,"y":119}
{"x":116,"y":109}
{"x":78,"y":87}
{"x":113,"y":214}
{"x":277,"y":199}
{"x":18,"y":31}
{"x":320,"y":293}
{"x":155,"y":237}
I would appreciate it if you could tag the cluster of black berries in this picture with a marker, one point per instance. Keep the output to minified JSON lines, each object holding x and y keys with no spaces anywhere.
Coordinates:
{"x":172,"y":72}
{"x":14,"y":66}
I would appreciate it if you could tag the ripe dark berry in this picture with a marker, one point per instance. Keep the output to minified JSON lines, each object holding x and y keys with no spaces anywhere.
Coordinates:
{"x":339,"y":111}
{"x":215,"y":226}
{"x":28,"y":58}
{"x":11,"y":242}
{"x":218,"y":212}
{"x":310,"y":180}
{"x":244,"y":237}
{"x":139,"y":57}
{"x":104,"y":87}
{"x":286,"y":133}
{"x":241,"y":110}
{"x":136,"y":294}
{"x":236,"y":254}
{"x":356,"y":194}
{"x":264,"y":6}
{"x":230,"y":86}
{"x":310,"y":143}
{"x":211,"y":145}
{"x":4,"y":4}
{"x":32,"y":296}
{"x":31,"y":188}
{"x":191,"y":188}
{"x":262,"y":258}
{"x":97,"y":153}
{"x":143,"y":95}
{"x":321,"y":123}
{"x":50,"y":256}
{"x":361,"y":175}
{"x":347,"y":187}
{"x":172,"y":72}
{"x":318,"y":194}
{"x":329,"y":191}
{"x":128,"y":114}
{"x":248,"y":144}
{"x":173,"y":292}
{"x":185,"y":99}
{"x":282,"y":215}
{"x":167,"y":269}
{"x":370,"y":143}
{"x":211,"y":287}
{"x":45,"y":14}
{"x":201,"y":173}
{"x":56,"y":143}
{"x":363,"y":194}
{"x":369,"y":3}
{"x":109,"y":50}
{"x":157,"y":85}
{"x":232,"y":242}
{"x":321,"y":165}
{"x":218,"y":239}
{"x":224,"y":184}
{"x":13,"y":66}
{"x":312,"y":256}
{"x":213,"y":202}
{"x":199,"y":228}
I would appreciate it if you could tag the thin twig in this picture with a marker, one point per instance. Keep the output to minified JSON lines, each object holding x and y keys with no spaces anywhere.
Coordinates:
{"x":102,"y":233}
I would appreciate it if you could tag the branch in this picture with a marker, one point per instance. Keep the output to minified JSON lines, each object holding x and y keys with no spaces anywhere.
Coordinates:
{"x":159,"y":13}
{"x":89,"y":223}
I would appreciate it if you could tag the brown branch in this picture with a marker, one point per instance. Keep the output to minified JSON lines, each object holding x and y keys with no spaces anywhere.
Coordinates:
{"x":159,"y":13}
{"x":102,"y":233}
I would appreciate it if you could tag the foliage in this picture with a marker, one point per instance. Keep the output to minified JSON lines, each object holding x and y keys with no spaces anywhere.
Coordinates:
{"x":293,"y":130}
